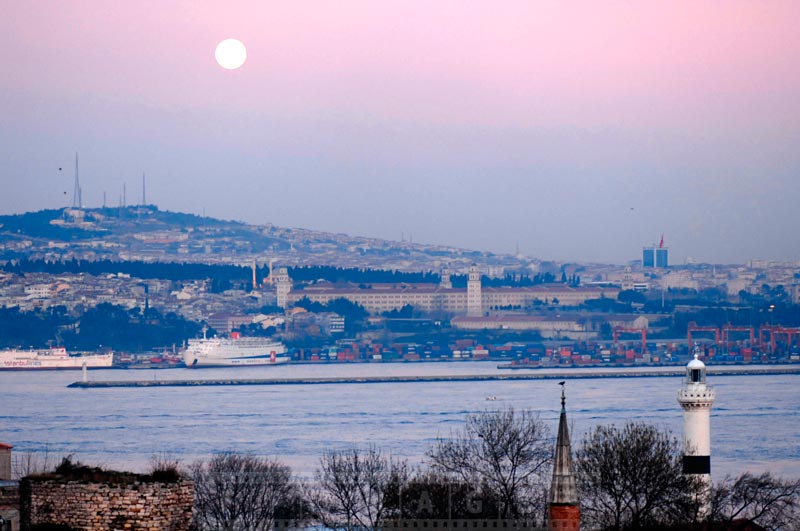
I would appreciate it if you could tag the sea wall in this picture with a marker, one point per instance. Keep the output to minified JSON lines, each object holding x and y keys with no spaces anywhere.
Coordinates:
{"x":89,"y":506}
{"x":641,"y":372}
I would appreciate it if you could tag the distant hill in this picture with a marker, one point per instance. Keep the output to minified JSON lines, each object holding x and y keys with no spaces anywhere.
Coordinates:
{"x":148,"y":234}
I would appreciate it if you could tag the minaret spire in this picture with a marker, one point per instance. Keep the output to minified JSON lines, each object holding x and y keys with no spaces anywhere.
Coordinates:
{"x":564,"y":512}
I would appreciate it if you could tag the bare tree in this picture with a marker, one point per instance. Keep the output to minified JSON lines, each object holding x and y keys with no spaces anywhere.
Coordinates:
{"x":31,"y":463}
{"x":502,"y":453}
{"x":240,"y":492}
{"x":772,"y":503}
{"x":351,"y":488}
{"x":632,"y":478}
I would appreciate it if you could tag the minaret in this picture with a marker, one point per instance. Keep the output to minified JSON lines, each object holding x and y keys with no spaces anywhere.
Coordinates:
{"x":563,"y":509}
{"x":474,"y":296}
{"x":696,"y":399}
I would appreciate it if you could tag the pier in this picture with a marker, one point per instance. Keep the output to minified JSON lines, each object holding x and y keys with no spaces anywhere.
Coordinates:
{"x":562,"y":375}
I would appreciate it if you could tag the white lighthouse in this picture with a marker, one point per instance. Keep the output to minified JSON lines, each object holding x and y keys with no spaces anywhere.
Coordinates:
{"x":696,"y":399}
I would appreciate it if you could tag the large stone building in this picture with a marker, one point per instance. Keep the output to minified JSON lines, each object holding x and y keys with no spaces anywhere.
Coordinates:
{"x":475,"y":300}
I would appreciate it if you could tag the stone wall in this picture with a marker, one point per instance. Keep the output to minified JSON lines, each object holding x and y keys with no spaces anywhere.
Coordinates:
{"x":87,"y":506}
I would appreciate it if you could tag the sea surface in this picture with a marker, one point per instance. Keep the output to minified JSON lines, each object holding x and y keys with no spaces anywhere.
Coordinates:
{"x":755,"y":422}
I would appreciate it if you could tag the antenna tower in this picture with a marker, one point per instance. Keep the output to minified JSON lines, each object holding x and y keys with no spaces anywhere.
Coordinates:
{"x":77,"y":200}
{"x":144,"y":197}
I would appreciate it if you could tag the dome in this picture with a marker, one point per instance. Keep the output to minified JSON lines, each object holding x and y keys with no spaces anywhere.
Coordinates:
{"x":696,"y":363}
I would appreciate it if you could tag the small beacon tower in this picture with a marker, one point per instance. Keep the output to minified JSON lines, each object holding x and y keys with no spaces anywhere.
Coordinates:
{"x":563,"y":509}
{"x":696,"y":399}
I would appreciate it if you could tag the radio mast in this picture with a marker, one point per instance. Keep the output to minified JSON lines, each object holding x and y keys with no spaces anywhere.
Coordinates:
{"x":77,"y":200}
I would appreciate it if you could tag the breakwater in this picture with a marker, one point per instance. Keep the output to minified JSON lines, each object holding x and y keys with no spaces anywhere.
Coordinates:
{"x":563,"y":375}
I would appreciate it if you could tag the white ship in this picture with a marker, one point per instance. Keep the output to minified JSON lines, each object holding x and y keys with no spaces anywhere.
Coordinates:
{"x":234,"y":352}
{"x":54,"y":358}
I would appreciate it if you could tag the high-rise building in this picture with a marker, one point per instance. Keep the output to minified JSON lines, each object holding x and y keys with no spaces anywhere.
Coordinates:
{"x":649,"y":257}
{"x":655,"y":256}
{"x":662,"y":257}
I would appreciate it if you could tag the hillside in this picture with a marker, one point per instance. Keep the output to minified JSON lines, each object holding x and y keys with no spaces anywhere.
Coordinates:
{"x":149,"y":234}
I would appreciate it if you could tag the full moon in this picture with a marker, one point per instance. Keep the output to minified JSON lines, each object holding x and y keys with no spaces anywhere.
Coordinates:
{"x":230,"y":54}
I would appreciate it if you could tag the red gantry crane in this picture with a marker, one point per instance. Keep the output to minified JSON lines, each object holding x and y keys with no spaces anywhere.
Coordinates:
{"x":622,"y":330}
{"x":775,"y":331}
{"x":694,"y":327}
{"x":728,"y":328}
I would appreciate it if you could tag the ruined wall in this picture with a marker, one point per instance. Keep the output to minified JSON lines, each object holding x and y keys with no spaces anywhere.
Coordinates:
{"x":138,"y":506}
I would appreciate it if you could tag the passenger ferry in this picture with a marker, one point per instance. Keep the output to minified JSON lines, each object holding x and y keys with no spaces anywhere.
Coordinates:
{"x":54,"y":358}
{"x":235,"y":351}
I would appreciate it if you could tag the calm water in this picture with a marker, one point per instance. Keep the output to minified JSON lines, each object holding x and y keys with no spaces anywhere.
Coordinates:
{"x":755,"y":423}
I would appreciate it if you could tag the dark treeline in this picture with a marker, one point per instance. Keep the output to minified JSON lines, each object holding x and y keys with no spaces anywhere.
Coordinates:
{"x":785,"y":315}
{"x":227,"y":276}
{"x":161,"y":270}
{"x":105,"y":326}
{"x":743,"y":317}
{"x":359,"y":275}
{"x":513,"y":280}
{"x":220,"y":273}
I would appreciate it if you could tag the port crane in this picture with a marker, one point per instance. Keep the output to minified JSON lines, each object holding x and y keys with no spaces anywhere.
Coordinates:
{"x":728,"y":328}
{"x":694,"y":327}
{"x":774,"y":332}
{"x":622,"y":330}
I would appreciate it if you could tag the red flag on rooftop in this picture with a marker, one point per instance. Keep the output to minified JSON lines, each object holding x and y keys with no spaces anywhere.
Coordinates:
{"x":661,"y":244}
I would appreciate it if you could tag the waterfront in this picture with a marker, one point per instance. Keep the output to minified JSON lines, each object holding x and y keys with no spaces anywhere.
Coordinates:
{"x":754,"y":421}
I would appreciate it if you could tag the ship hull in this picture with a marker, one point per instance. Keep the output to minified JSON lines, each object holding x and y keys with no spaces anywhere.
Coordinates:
{"x":235,"y":362}
{"x":234,"y":352}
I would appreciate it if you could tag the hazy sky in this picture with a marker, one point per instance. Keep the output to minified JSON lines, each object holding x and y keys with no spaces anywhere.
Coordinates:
{"x":577,"y":130}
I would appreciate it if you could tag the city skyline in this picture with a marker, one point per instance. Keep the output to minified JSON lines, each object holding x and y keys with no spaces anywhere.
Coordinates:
{"x":577,"y":133}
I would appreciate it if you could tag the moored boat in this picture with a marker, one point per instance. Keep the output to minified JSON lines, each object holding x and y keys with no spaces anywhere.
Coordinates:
{"x":53,"y":358}
{"x":235,"y":351}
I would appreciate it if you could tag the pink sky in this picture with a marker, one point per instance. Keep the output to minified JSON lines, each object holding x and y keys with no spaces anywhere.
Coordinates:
{"x":589,"y":91}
